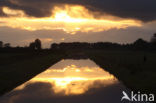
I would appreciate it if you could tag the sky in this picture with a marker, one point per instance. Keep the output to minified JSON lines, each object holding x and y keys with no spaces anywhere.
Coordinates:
{"x":55,"y":21}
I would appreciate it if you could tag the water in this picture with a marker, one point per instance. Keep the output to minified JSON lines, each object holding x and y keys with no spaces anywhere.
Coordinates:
{"x":69,"y":81}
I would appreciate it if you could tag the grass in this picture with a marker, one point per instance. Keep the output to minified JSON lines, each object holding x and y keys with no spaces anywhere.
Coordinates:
{"x":129,"y":67}
{"x":17,"y":68}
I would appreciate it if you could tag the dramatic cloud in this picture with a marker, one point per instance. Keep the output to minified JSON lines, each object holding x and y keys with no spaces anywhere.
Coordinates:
{"x":139,"y":9}
{"x":123,"y":21}
{"x":68,"y":18}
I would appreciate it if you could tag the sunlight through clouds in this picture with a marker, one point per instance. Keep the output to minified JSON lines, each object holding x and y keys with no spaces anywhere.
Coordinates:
{"x":69,"y":18}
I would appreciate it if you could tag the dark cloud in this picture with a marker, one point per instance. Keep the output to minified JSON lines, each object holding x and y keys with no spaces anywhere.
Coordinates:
{"x":144,"y":10}
{"x":140,"y":9}
{"x":1,"y":13}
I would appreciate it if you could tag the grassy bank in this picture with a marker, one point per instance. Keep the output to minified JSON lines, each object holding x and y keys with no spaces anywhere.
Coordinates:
{"x":137,"y":70}
{"x":17,"y":68}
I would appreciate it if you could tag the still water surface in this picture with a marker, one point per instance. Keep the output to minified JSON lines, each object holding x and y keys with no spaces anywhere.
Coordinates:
{"x":69,"y":81}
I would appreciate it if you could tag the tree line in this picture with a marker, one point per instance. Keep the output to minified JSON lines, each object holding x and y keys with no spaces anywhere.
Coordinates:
{"x":33,"y":45}
{"x":139,"y":44}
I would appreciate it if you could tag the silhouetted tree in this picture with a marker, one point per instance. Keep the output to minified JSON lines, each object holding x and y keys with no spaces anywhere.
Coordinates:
{"x":32,"y":45}
{"x":54,"y":46}
{"x":1,"y":44}
{"x":153,"y":39}
{"x":37,"y":44}
{"x":7,"y":45}
{"x":140,"y":44}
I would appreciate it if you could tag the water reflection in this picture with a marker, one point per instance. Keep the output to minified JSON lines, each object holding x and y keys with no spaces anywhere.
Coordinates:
{"x":69,"y":81}
{"x":73,"y":78}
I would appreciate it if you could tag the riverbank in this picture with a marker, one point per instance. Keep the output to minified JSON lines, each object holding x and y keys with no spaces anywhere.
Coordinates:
{"x":136,"y":69}
{"x":17,"y":68}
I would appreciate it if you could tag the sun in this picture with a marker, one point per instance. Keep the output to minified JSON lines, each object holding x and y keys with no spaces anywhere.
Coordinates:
{"x":61,"y":15}
{"x":64,"y":17}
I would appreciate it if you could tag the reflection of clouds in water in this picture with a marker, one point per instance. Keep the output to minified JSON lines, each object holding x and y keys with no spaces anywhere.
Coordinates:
{"x":43,"y":93}
{"x":69,"y":81}
{"x":32,"y":91}
{"x":78,"y":63}
{"x":73,"y":79}
{"x":80,"y":87}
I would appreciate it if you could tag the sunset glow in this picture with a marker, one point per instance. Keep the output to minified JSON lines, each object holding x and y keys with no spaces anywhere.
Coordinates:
{"x":73,"y":80}
{"x":77,"y":51}
{"x":69,"y":18}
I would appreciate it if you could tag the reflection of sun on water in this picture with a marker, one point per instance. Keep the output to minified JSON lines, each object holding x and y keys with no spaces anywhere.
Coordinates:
{"x":74,"y":80}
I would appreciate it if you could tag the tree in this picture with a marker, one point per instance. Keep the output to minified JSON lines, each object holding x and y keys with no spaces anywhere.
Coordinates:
{"x":1,"y":44}
{"x":153,"y":39}
{"x":140,"y":44}
{"x":54,"y":46}
{"x":37,"y":44}
{"x":32,"y":45}
{"x":7,"y":45}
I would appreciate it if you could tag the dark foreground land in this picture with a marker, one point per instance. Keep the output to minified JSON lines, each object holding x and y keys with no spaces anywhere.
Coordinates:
{"x":136,"y":69}
{"x":17,"y":68}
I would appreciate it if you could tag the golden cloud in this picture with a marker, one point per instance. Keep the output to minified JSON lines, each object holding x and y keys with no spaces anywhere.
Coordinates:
{"x":70,"y":18}
{"x":73,"y":80}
